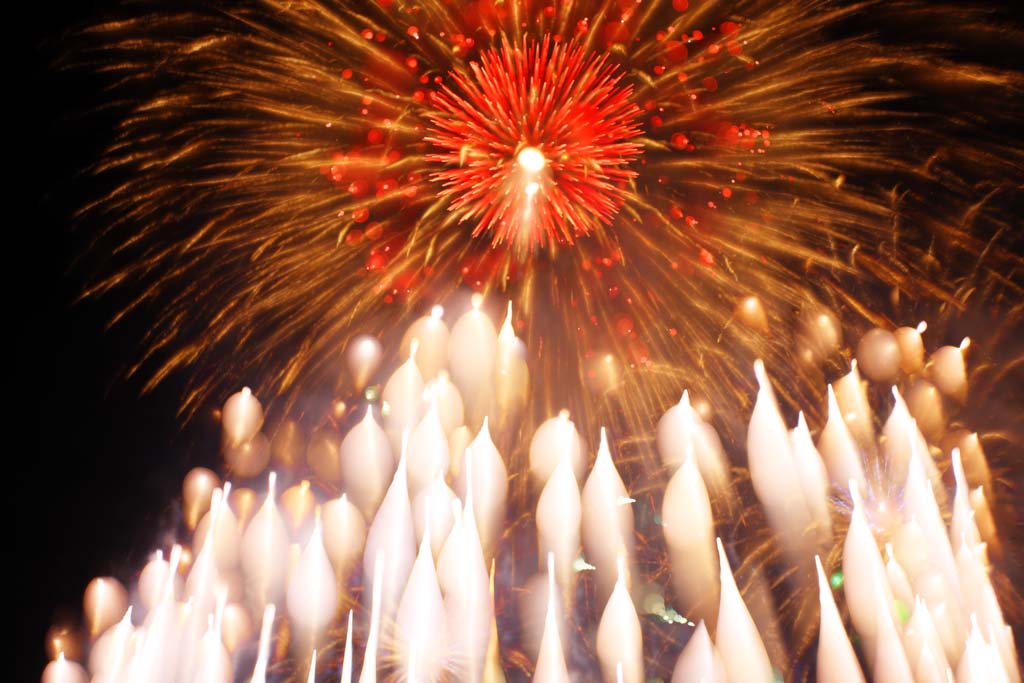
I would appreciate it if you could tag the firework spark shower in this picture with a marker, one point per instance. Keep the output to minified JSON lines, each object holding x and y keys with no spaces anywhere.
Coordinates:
{"x":755,"y":203}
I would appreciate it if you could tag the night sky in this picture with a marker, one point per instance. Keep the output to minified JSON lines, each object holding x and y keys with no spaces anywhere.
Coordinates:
{"x":103,"y":464}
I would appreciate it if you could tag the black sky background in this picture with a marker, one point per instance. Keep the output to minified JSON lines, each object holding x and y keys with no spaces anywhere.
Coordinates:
{"x":98,"y":464}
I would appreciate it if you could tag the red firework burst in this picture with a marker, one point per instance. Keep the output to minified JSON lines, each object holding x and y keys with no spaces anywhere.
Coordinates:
{"x":537,"y":140}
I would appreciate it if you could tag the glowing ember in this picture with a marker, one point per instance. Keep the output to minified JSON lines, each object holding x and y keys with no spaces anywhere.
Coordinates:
{"x":537,"y":143}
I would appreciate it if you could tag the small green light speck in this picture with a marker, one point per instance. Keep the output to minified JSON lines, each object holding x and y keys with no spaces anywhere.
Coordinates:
{"x":836,"y":581}
{"x":902,"y":611}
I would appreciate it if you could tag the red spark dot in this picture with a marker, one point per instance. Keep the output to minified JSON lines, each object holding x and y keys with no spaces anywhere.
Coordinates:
{"x":613,"y":291}
{"x":413,"y":31}
{"x":361,"y":214}
{"x":710,"y":83}
{"x":375,"y":261}
{"x":734,"y":48}
{"x":549,"y":11}
{"x":697,"y":35}
{"x":672,"y":331}
{"x":656,"y":121}
{"x":729,"y":27}
{"x":380,"y":37}
{"x":582,"y":26}
{"x":726,"y":192}
{"x":679,"y":140}
{"x":714,"y":49}
{"x":375,"y":136}
{"x":706,"y":258}
{"x":388,"y":298}
{"x":346,"y":73}
{"x":357,"y":188}
{"x":682,"y":76}
{"x":354,"y":237}
{"x":580,"y":142}
{"x":412,"y":62}
{"x":675,"y":212}
{"x":624,"y":326}
{"x":680,"y":5}
{"x":367,"y":33}
{"x":675,"y":51}
{"x":658,"y":70}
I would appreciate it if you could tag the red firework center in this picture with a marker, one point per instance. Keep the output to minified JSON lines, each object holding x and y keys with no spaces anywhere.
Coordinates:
{"x":536,"y":140}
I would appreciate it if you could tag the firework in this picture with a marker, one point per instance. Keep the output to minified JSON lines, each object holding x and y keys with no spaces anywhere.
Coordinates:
{"x":664,"y":193}
{"x":440,"y":613}
{"x":539,"y":142}
{"x":305,"y":167}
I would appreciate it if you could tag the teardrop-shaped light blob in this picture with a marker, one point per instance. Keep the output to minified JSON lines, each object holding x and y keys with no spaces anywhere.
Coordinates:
{"x":428,"y":455}
{"x":772,"y":465}
{"x":511,"y":375}
{"x":947,"y":370}
{"x":682,"y":427}
{"x":852,"y":398}
{"x":403,"y":399}
{"x":864,"y":579}
{"x":555,"y":437}
{"x":367,"y":464}
{"x":63,"y":670}
{"x":619,"y":638}
{"x":469,"y":605}
{"x":559,"y":515}
{"x":265,"y":553}
{"x":227,"y":536}
{"x":450,"y":408}
{"x":813,"y":480}
{"x":742,"y":649}
{"x":911,"y":348}
{"x":363,"y":356}
{"x":392,"y":533}
{"x":839,"y":449}
{"x":420,"y":628}
{"x":490,"y":487}
{"x":699,"y":660}
{"x":607,"y":522}
{"x":472,"y":347}
{"x":901,"y":439}
{"x":312,"y":591}
{"x":431,"y":334}
{"x":689,"y":530}
{"x":241,"y":418}
{"x":344,"y":532}
{"x":837,"y":662}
